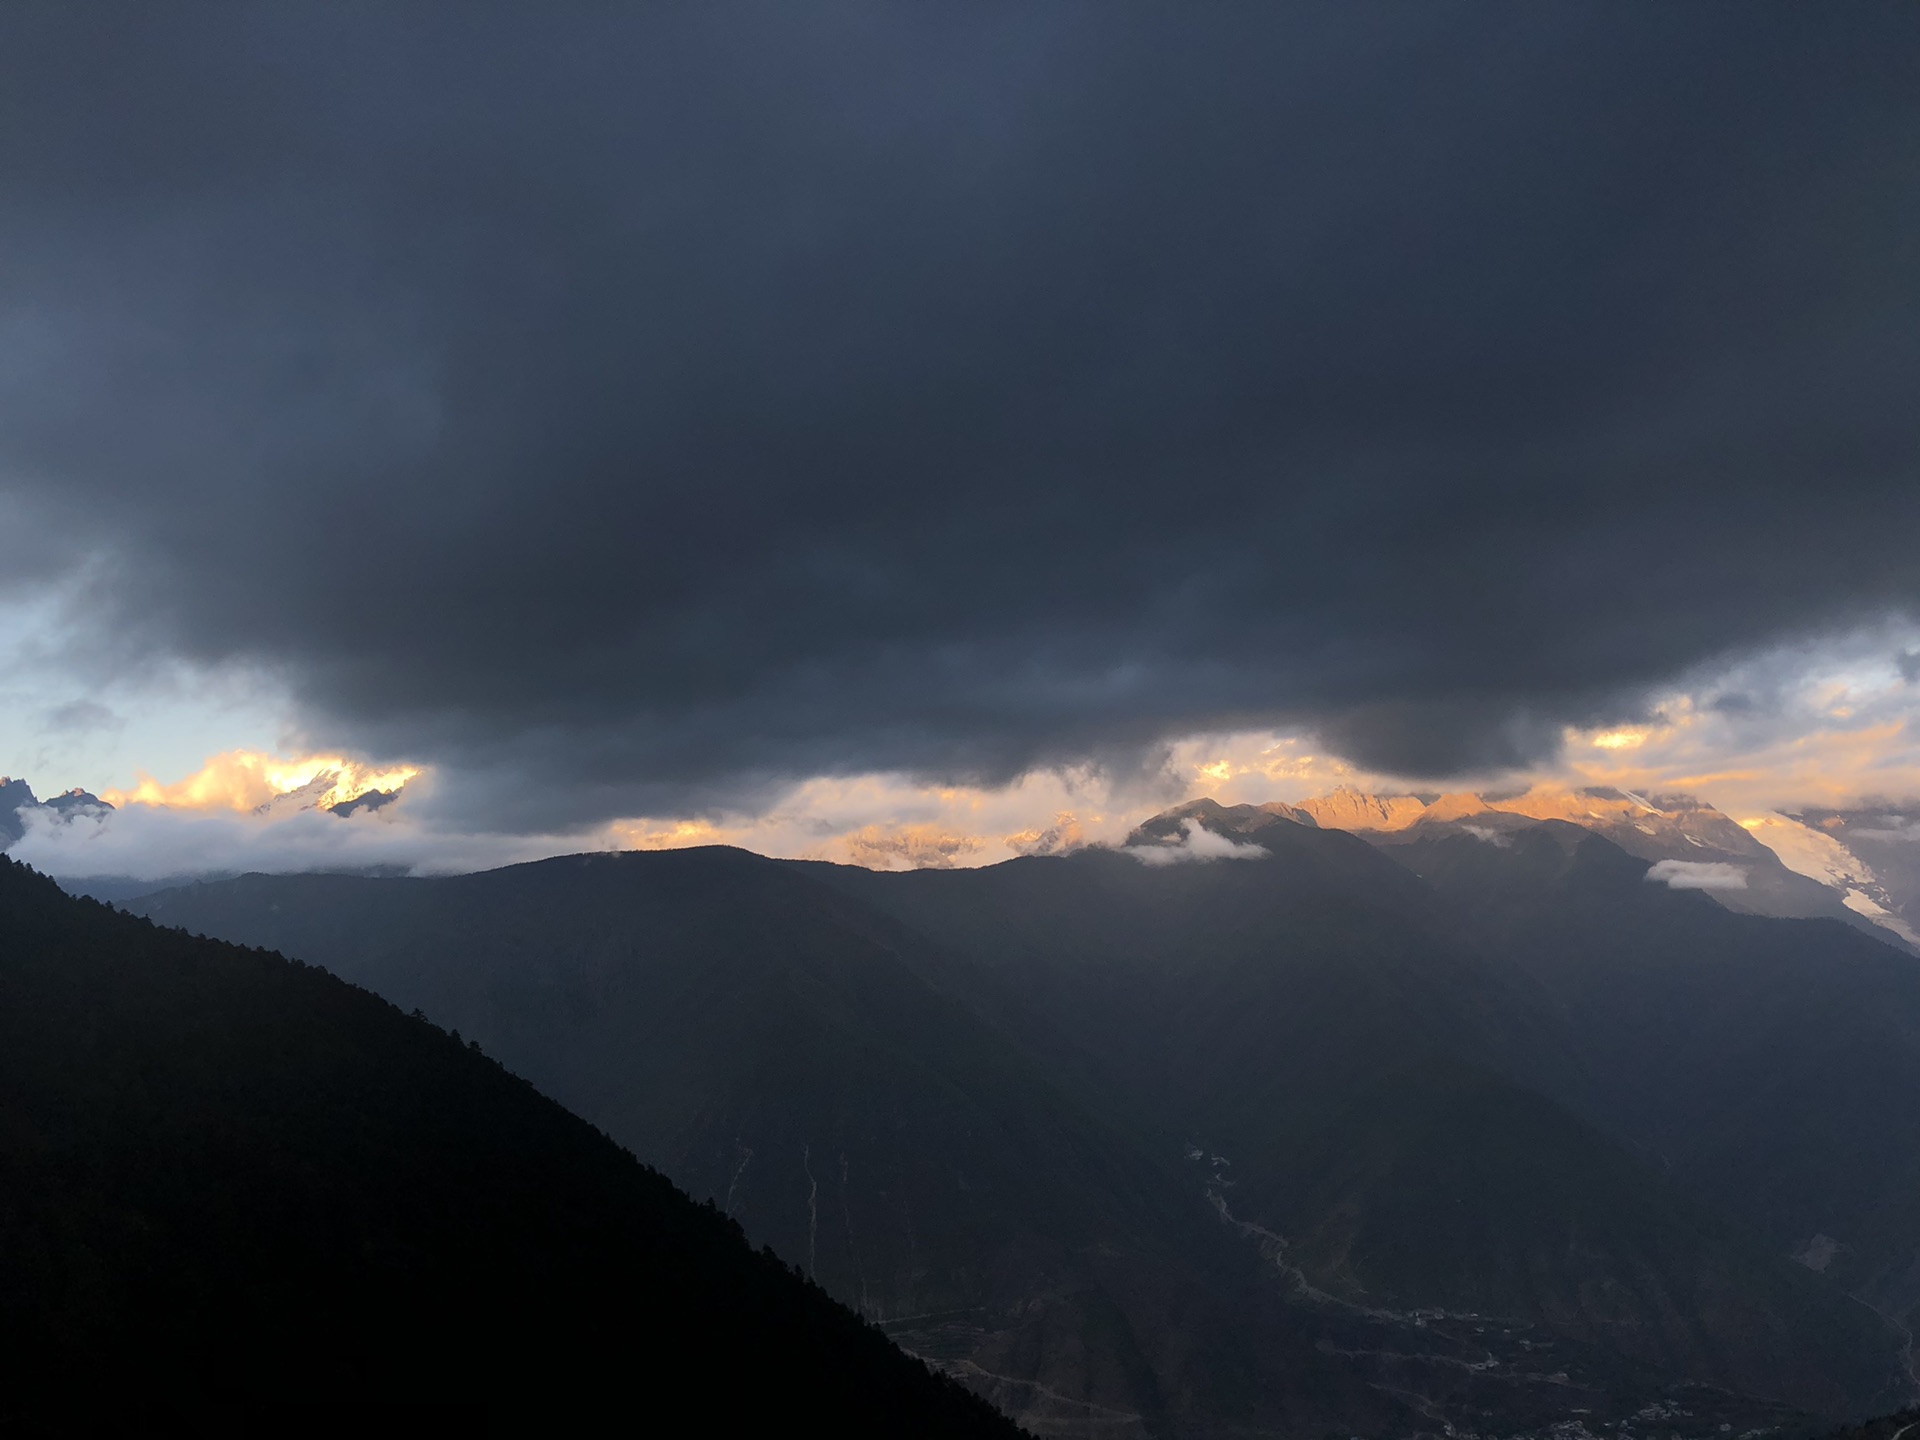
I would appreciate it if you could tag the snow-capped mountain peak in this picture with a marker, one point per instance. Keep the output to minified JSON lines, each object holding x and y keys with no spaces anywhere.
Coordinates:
{"x":1777,"y":865}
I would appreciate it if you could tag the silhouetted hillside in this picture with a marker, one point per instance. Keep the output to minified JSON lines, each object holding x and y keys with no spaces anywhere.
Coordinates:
{"x":226,"y":1176}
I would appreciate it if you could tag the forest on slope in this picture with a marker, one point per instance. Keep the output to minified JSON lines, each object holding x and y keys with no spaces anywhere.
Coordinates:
{"x":228,"y":1178}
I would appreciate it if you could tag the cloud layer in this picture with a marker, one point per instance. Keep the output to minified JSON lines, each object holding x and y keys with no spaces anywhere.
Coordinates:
{"x":1697,"y":875}
{"x":1196,"y":846}
{"x":632,"y":413}
{"x":1798,"y":729}
{"x":144,"y":843}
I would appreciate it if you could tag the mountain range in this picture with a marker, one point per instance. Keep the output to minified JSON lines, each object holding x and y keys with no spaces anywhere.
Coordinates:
{"x":1861,"y":866}
{"x":1251,"y":1126}
{"x":1802,"y":868}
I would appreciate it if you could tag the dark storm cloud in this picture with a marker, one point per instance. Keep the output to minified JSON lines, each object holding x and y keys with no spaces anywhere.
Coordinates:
{"x":625,"y":409}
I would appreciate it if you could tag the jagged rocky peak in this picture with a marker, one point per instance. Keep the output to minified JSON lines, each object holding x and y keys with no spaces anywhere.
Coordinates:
{"x":1652,"y":826}
{"x":77,"y":801}
{"x":1346,"y":808}
{"x":1635,"y":821}
{"x":1593,"y":804}
{"x":1783,"y":871}
{"x":1170,"y":826}
{"x":1688,"y":842}
{"x":337,"y":791}
{"x":17,"y":797}
{"x":1457,"y":806}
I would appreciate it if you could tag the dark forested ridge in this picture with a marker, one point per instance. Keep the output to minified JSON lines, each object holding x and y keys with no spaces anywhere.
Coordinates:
{"x":1028,"y":1083}
{"x":227,"y":1177}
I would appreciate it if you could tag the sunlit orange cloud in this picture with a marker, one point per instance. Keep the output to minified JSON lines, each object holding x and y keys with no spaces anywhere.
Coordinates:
{"x":245,"y":780}
{"x":672,"y":835}
{"x":1835,"y":764}
{"x":1251,"y":768}
{"x":1842,"y":732}
{"x":1835,"y":741}
{"x":888,"y":822}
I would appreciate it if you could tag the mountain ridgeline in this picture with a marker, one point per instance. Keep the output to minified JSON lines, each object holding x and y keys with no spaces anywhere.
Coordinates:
{"x":228,"y":1179}
{"x":1373,"y":1135}
{"x":17,"y":799}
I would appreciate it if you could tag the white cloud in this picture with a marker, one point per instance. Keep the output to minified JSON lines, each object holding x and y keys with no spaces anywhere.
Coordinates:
{"x":69,"y":716}
{"x":1828,"y":722}
{"x":1698,"y":875}
{"x":142,"y":842}
{"x":1200,"y":844}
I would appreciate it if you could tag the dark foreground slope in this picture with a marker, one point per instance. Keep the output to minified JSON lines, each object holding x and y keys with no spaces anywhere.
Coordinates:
{"x":228,"y":1177}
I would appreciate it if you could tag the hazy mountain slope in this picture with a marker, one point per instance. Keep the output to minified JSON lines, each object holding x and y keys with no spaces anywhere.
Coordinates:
{"x":1772,"y":1065}
{"x":1262,"y":1006}
{"x":1885,"y":839}
{"x":1690,"y":832}
{"x":1202,"y":991}
{"x":223,"y":1175}
{"x":1447,"y":1187}
{"x":1681,"y":829}
{"x":766,"y":1041}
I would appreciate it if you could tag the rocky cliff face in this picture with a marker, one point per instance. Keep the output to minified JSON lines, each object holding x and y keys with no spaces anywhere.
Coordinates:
{"x":1350,"y":809}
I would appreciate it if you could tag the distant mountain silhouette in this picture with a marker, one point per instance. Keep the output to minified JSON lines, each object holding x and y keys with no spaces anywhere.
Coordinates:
{"x":227,"y":1179}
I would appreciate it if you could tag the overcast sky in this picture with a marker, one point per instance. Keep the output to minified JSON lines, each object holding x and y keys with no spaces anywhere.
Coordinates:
{"x":654,"y":416}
